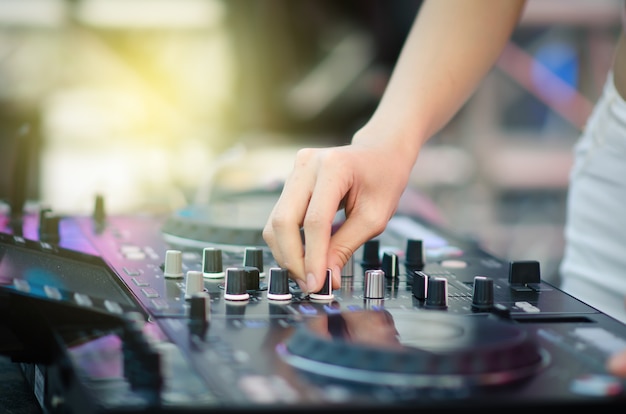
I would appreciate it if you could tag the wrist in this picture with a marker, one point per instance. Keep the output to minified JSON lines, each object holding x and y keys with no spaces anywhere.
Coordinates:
{"x":403,"y":144}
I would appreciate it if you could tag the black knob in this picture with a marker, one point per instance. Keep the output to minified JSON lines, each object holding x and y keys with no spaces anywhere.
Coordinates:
{"x":99,"y":215}
{"x":235,"y":284}
{"x":253,"y":282}
{"x":278,"y":284}
{"x":199,"y":308}
{"x":371,"y":258}
{"x":482,"y":296}
{"x":326,"y":291}
{"x":253,"y":256}
{"x":524,"y":272}
{"x":49,"y":227}
{"x":374,"y":284}
{"x":437,"y":297}
{"x":212,"y":265}
{"x":415,"y":256}
{"x":390,"y":265}
{"x":420,"y":284}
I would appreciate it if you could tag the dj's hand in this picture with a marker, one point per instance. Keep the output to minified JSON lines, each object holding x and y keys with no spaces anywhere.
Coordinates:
{"x":616,"y":364}
{"x":365,"y":179}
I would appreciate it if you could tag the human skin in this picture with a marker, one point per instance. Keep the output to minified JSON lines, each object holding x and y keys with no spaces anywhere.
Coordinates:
{"x":436,"y":72}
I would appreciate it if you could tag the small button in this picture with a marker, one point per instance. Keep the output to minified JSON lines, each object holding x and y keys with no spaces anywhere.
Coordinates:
{"x":138,"y":281}
{"x":52,"y":292}
{"x":113,"y":307}
{"x":21,"y":285}
{"x":131,"y":272}
{"x":150,"y":292}
{"x":160,"y":303}
{"x":83,"y":299}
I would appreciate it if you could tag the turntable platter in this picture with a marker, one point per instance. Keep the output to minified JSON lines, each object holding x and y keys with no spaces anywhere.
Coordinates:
{"x":424,"y":349}
{"x":230,"y":222}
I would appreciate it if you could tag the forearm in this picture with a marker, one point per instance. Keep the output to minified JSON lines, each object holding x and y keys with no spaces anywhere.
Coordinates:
{"x":450,"y":48}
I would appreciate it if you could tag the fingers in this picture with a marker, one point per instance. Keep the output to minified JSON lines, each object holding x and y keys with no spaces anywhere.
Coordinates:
{"x":330,"y":189}
{"x":285,"y":243}
{"x":310,"y":199}
{"x":356,"y":230}
{"x":321,"y":182}
{"x":282,"y":230}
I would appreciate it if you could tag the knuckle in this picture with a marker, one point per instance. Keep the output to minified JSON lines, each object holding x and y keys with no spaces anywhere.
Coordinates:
{"x":376,"y":223}
{"x":268,"y":235}
{"x":304,"y":155}
{"x":277,"y":222}
{"x":312,"y":220}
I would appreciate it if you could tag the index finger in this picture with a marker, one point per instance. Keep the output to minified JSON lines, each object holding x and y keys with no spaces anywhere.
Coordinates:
{"x":325,"y":200}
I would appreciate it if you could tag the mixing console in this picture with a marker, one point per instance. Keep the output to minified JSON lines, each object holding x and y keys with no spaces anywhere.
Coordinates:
{"x":174,"y":314}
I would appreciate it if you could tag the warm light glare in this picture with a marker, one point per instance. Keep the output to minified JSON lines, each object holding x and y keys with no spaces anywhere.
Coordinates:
{"x":150,"y":13}
{"x":134,"y":114}
{"x":32,"y":13}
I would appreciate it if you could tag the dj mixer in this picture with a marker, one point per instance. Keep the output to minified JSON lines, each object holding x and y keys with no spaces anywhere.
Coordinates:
{"x":189,"y":312}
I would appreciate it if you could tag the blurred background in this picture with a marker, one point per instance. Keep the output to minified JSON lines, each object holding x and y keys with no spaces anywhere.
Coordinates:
{"x":153,"y":103}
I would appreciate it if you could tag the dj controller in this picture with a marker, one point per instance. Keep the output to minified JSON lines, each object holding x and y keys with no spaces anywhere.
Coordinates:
{"x":189,"y":312}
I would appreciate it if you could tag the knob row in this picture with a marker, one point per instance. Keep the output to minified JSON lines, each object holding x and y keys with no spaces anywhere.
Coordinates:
{"x":240,"y":281}
{"x":414,"y":255}
{"x":212,"y":262}
{"x":434,"y":291}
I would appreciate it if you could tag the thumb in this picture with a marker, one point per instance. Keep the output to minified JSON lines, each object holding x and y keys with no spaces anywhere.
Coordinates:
{"x":353,"y":233}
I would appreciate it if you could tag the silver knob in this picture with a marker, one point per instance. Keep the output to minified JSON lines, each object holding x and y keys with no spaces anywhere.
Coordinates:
{"x":374,"y":285}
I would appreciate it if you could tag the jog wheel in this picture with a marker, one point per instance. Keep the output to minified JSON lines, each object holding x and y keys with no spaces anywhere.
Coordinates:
{"x":425,"y":349}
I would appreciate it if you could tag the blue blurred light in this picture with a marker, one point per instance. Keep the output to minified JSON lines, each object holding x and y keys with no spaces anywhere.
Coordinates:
{"x":562,"y":60}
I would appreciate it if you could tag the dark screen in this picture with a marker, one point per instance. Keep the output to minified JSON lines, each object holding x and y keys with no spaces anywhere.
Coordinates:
{"x":42,"y":268}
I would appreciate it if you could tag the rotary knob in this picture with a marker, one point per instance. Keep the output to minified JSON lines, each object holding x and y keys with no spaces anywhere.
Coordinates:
{"x":482,"y":296}
{"x":49,"y":227}
{"x":235,"y":284}
{"x":374,"y":284}
{"x":253,"y":282}
{"x":199,"y":308}
{"x":278,"y":284}
{"x":194,"y":283}
{"x":326,"y":291}
{"x":437,"y":297}
{"x":212,"y":264}
{"x":414,"y":254}
{"x":371,"y":258}
{"x":99,"y":215}
{"x":253,"y":256}
{"x":173,"y":264}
